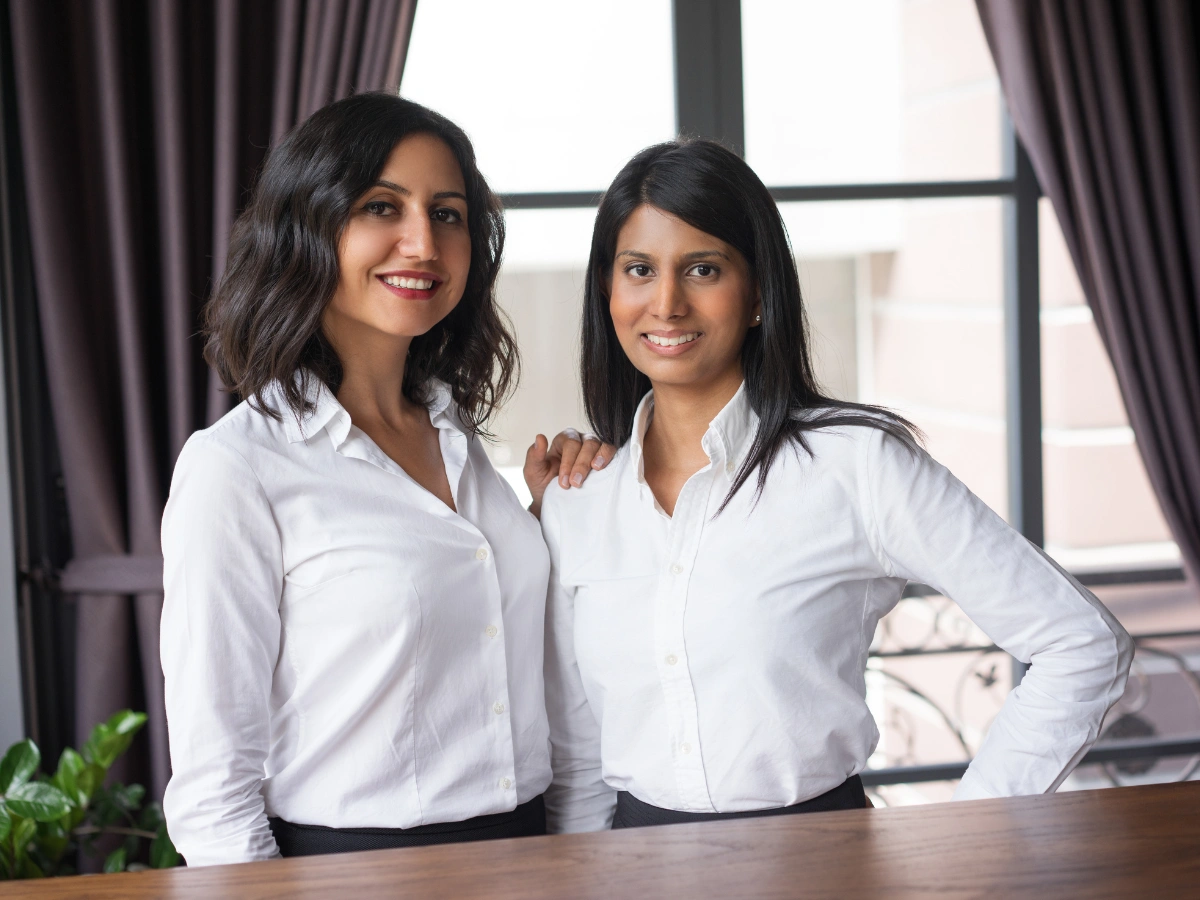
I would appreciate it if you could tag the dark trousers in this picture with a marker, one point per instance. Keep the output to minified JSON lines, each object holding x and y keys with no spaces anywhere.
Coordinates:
{"x":312,"y":840}
{"x":633,"y":813}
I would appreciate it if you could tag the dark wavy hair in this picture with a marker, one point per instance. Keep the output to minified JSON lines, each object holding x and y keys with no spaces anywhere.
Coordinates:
{"x":263,"y":323}
{"x":712,"y":189}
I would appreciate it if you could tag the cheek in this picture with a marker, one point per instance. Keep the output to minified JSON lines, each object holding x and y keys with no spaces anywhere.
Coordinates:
{"x":456,"y":250}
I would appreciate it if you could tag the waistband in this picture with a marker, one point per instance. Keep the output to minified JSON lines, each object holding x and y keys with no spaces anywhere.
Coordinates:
{"x":635,"y":813}
{"x":310,"y":840}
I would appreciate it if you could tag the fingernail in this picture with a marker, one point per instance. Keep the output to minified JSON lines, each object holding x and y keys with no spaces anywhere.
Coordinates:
{"x":577,"y":479}
{"x":562,"y":482}
{"x":599,"y":462}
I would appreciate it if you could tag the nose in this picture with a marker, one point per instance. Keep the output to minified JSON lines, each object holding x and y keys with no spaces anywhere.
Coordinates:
{"x":668,"y":301}
{"x":416,"y":238}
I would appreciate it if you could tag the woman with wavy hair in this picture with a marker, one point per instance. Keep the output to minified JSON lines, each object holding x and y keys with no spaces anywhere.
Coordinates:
{"x":353,"y":618}
{"x":714,"y":591}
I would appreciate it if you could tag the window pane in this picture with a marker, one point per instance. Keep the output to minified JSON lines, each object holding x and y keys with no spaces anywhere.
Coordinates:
{"x":869,"y":91}
{"x":1101,"y":512}
{"x":541,"y":288}
{"x":905,"y":299}
{"x":556,"y":96}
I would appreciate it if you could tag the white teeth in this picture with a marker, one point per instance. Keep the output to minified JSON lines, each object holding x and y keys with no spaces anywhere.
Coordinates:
{"x":412,"y":284}
{"x":672,"y":341}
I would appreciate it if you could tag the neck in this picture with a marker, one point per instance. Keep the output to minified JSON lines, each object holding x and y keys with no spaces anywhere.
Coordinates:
{"x":682,"y":414}
{"x":372,"y":388}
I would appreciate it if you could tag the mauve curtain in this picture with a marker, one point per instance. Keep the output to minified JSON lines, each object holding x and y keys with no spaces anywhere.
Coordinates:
{"x":141,"y":126}
{"x":1105,"y":95}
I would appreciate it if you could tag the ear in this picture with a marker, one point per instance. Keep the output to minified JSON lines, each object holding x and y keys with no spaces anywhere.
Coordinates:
{"x":756,"y":310}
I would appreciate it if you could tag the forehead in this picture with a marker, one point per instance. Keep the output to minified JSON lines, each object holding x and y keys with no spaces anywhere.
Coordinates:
{"x":652,"y":230}
{"x":423,"y":161}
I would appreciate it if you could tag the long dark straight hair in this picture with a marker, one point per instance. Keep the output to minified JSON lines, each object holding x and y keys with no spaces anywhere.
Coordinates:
{"x":263,"y":323}
{"x":712,"y":189}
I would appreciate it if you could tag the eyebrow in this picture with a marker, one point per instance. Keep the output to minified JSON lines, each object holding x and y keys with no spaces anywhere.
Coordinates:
{"x":694,"y":255}
{"x":440,"y":195}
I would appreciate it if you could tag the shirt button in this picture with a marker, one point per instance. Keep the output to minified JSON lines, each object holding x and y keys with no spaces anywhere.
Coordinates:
{"x":506,"y":783}
{"x":498,"y":707}
{"x":685,"y":749}
{"x":672,"y":659}
{"x":491,"y":631}
{"x":730,"y":466}
{"x":676,"y":569}
{"x":481,"y":554}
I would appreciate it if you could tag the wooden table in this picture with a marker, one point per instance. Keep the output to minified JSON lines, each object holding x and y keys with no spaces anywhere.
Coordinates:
{"x":1124,"y":842}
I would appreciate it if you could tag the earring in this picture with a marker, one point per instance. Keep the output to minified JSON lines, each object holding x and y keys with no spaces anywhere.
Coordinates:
{"x":758,"y":318}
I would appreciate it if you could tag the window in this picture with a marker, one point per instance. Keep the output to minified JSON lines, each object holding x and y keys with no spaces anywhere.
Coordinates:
{"x":935,"y":280}
{"x":869,"y":91}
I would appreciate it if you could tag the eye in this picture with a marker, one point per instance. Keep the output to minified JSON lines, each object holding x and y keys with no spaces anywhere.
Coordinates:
{"x":379,"y":208}
{"x":447,"y":215}
{"x":704,"y":270}
{"x":639,"y":270}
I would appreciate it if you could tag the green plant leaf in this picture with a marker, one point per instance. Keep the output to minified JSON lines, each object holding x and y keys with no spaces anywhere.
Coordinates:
{"x":128,"y":798}
{"x":19,"y":763}
{"x":115,"y":861}
{"x":23,"y":831}
{"x":110,"y":739}
{"x":90,"y":779}
{"x":66,"y":777}
{"x":163,"y":854}
{"x":52,"y":840}
{"x":151,"y":817}
{"x":126,"y":722}
{"x":30,"y":869}
{"x":38,"y":801}
{"x":5,"y":821}
{"x":97,"y":742}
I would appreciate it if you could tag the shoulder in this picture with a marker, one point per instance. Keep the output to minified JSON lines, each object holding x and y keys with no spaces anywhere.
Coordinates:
{"x":564,"y":508}
{"x":234,"y":442}
{"x":868,"y":433}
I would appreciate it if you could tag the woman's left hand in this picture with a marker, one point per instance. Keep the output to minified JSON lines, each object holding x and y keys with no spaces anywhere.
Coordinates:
{"x":570,"y":457}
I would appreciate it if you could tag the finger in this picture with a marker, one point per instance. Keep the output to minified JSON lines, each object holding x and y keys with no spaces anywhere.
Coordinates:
{"x":604,"y":456}
{"x":583,"y":462}
{"x":560,"y":439}
{"x":570,"y":451}
{"x":536,"y":454}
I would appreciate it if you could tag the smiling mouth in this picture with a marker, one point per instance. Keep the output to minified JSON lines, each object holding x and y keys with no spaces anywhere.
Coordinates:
{"x":407,"y":287}
{"x":675,"y":341}
{"x":412,"y":284}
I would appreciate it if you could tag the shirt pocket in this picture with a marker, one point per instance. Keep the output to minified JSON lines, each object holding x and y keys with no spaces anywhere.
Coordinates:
{"x":605,"y":562}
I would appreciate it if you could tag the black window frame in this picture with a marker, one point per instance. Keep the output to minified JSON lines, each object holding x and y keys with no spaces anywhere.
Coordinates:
{"x":709,"y":102}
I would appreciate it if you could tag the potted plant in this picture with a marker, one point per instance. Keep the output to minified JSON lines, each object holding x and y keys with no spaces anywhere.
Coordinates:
{"x":44,"y":819}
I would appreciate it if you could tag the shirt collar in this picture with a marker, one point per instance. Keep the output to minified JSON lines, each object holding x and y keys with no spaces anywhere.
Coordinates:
{"x":325,"y":412}
{"x":726,"y":437}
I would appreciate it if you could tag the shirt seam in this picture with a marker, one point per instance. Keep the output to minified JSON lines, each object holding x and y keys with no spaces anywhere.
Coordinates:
{"x":872,"y":520}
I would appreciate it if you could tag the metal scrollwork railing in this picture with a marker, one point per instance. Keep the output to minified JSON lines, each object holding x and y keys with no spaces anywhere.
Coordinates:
{"x":935,"y":683}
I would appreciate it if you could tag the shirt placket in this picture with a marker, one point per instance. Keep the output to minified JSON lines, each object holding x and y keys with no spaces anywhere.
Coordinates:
{"x":683,"y":541}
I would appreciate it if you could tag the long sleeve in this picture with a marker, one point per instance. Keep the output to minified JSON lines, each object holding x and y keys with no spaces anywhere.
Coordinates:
{"x":220,"y":639}
{"x":577,"y":799}
{"x":927,"y":526}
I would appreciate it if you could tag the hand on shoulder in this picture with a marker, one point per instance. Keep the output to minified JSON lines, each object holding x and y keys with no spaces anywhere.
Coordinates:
{"x":570,"y":458}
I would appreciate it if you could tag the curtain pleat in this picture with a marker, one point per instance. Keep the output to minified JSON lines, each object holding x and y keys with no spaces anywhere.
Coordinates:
{"x":1105,"y":96}
{"x":141,"y":127}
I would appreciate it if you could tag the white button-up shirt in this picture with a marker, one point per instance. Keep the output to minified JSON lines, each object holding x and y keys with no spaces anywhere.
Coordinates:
{"x":717,"y":664}
{"x":340,"y":647}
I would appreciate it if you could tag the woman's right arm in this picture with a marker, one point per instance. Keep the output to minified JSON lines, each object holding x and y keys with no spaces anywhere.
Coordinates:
{"x":577,"y":799}
{"x":222,"y":578}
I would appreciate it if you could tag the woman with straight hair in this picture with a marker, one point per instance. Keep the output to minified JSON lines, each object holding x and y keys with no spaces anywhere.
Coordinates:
{"x":714,"y":591}
{"x":352,"y":629}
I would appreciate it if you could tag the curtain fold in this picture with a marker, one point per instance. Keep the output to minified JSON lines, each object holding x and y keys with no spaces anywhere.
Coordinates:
{"x":1105,"y":96}
{"x":141,"y":127}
